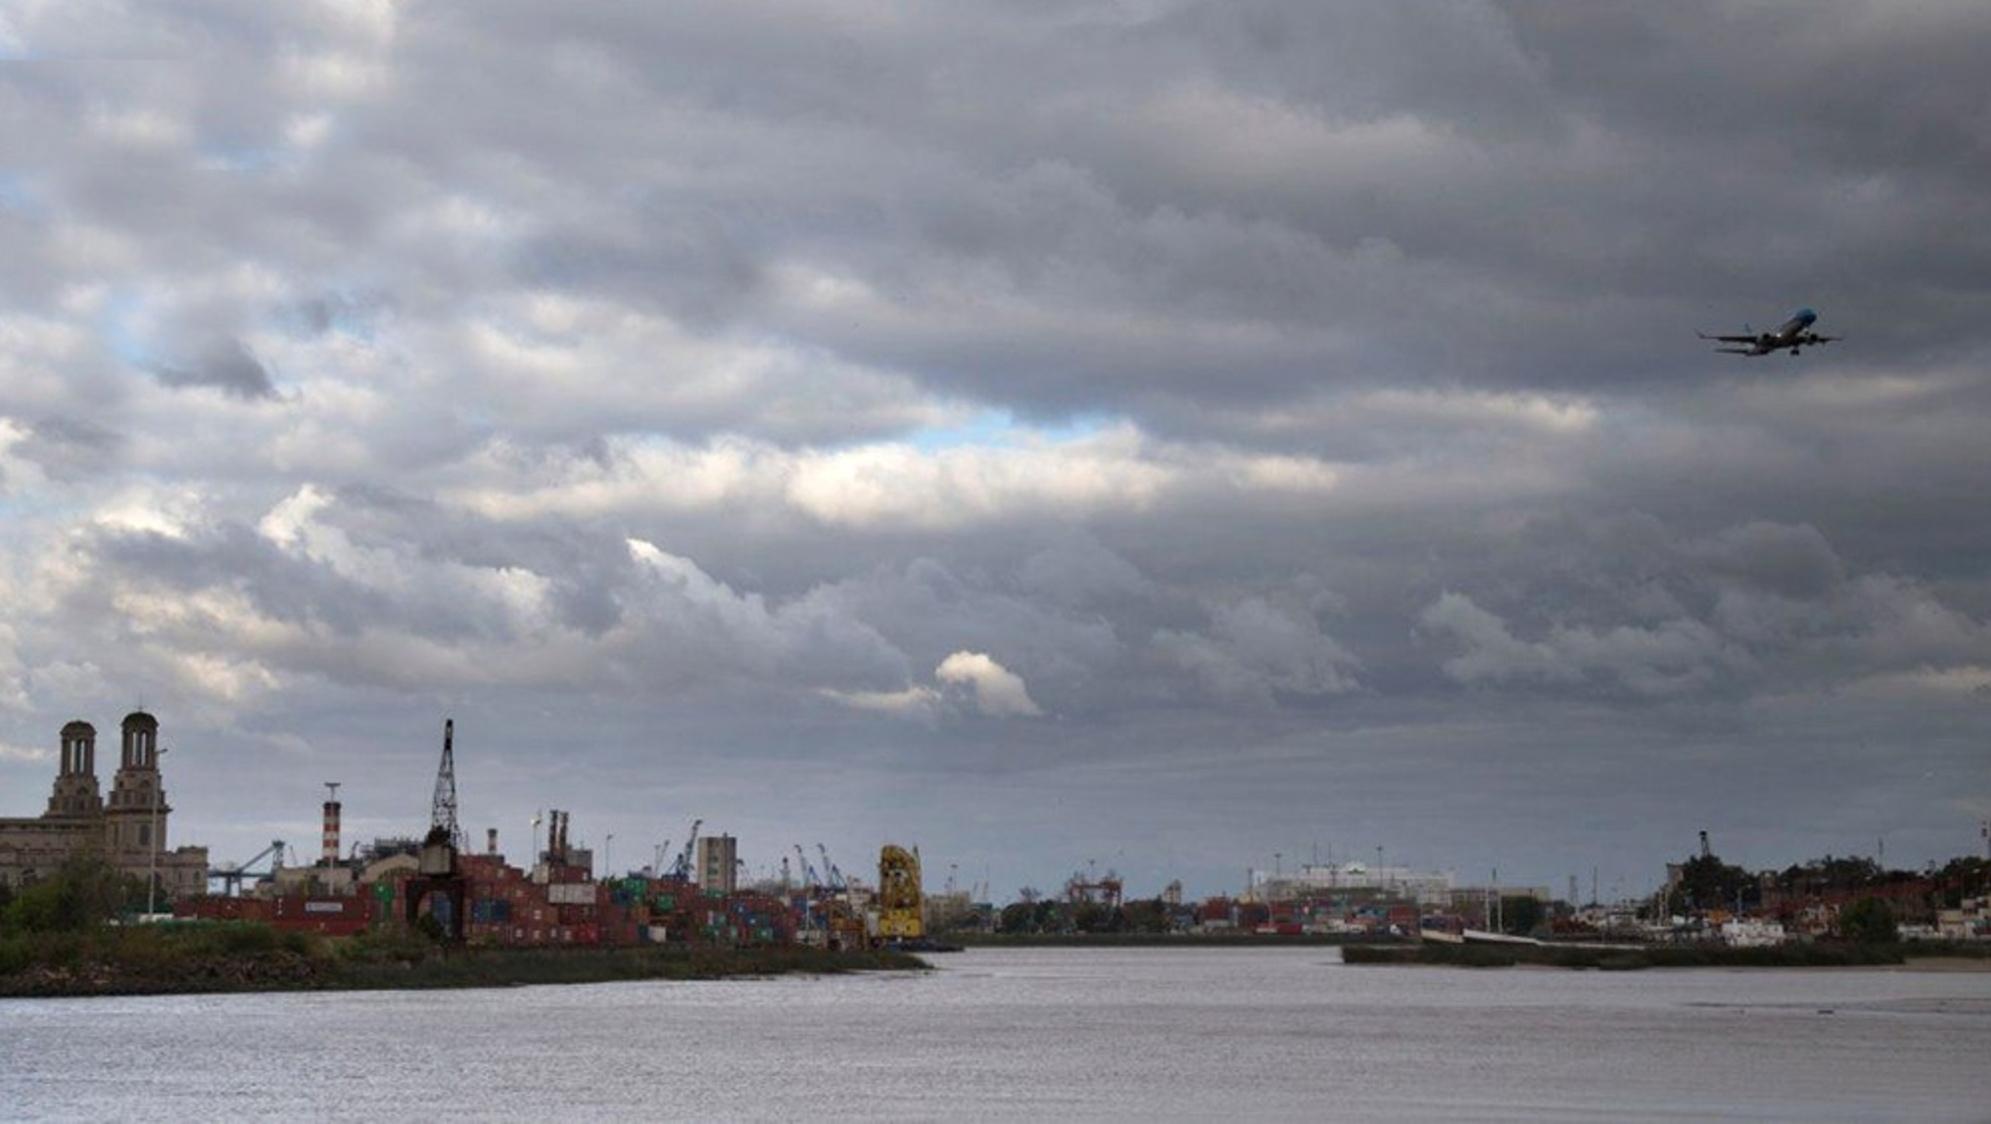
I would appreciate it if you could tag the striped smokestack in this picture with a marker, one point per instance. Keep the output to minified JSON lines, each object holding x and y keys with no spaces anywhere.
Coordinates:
{"x":331,"y":840}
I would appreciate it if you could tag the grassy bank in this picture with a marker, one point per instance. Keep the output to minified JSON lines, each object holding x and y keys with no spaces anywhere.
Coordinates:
{"x":239,"y":956}
{"x":1818,"y":955}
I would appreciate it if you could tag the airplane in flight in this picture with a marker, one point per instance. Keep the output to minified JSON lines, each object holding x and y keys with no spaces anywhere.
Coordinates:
{"x":1791,"y":335}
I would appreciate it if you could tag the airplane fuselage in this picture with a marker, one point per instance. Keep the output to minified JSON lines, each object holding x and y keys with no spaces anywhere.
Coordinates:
{"x":1792,"y":335}
{"x":1790,"y":330}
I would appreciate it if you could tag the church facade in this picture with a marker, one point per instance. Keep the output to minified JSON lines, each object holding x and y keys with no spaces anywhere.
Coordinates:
{"x":128,"y":830}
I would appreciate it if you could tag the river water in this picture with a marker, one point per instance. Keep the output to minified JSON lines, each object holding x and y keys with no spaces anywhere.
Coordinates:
{"x":1042,"y":1032}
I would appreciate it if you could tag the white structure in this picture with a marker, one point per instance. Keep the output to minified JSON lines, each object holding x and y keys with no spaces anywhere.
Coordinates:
{"x":1753,"y":934}
{"x":1427,"y":887}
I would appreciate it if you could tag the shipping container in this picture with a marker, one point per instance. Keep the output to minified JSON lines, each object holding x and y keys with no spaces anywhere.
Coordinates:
{"x":571,"y":893}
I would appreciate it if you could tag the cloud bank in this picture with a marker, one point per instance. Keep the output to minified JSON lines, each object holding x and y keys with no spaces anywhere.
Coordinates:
{"x":1221,"y":427}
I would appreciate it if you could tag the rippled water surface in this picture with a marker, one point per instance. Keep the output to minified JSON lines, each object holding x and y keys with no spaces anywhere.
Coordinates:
{"x":1259,"y":1033}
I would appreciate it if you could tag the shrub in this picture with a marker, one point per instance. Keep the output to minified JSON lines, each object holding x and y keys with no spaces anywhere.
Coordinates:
{"x":1868,"y":921}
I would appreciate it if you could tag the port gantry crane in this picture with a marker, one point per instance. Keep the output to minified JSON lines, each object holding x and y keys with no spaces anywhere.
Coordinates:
{"x":681,"y":868}
{"x":836,"y":880}
{"x":809,"y":879}
{"x":232,"y":874}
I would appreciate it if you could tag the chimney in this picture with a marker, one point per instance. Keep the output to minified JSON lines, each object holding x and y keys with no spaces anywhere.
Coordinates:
{"x":331,"y":840}
{"x":1705,"y":852}
{"x":491,"y":841}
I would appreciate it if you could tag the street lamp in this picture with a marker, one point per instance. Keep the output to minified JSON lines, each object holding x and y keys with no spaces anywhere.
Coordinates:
{"x":152,"y":865}
{"x":608,"y":857}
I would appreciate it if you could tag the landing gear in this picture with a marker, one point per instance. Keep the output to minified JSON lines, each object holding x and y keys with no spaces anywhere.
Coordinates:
{"x":1793,"y":351}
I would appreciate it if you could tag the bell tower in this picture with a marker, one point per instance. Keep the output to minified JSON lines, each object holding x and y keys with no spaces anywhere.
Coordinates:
{"x":76,"y":779}
{"x":138,"y":801}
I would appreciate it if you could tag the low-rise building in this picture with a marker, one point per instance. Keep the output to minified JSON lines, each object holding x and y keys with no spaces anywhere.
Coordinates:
{"x":1970,"y":921}
{"x":1753,"y":933}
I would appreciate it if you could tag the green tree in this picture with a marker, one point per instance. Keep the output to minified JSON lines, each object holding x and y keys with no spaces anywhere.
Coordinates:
{"x":1146,"y":916}
{"x":1965,"y":877}
{"x":1050,"y":917}
{"x":83,"y":893}
{"x":1708,"y":883}
{"x":1868,"y":921}
{"x":1017,"y":917}
{"x":1091,"y":917}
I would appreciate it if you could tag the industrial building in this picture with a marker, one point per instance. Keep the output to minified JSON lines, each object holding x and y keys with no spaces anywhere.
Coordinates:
{"x":483,"y":899}
{"x":718,"y":863}
{"x":129,"y":830}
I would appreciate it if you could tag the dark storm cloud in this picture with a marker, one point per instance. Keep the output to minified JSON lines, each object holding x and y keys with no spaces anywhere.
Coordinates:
{"x":229,"y":368}
{"x":72,"y":448}
{"x":1298,"y":400}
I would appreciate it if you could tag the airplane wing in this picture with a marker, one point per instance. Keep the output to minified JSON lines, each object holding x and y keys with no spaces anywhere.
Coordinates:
{"x":1823,"y":339}
{"x":1727,"y":339}
{"x":1735,"y":350}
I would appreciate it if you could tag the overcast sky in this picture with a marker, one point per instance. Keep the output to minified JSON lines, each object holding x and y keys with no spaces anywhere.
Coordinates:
{"x":1148,"y":433}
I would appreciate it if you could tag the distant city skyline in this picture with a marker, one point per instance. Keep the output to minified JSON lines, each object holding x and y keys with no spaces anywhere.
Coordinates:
{"x":1152,"y":433}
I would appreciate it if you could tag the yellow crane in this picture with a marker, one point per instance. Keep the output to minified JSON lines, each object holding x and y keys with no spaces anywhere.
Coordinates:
{"x":901,"y":905}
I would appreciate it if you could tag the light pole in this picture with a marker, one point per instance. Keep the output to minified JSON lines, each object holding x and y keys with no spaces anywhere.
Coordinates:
{"x":152,"y":864}
{"x":608,"y":857}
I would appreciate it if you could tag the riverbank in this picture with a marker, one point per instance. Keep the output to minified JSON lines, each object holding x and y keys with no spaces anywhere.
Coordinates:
{"x":234,"y":957}
{"x":1619,"y":958}
{"x":1160,"y":940}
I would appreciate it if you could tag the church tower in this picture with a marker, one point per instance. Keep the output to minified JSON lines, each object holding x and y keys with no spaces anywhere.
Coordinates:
{"x":138,"y":801}
{"x":76,"y":779}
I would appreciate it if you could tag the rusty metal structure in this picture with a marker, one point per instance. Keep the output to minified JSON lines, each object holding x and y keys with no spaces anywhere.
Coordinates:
{"x":1084,"y":890}
{"x":438,"y":873}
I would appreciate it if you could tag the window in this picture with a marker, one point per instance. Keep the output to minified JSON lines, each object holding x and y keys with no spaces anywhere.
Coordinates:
{"x":145,"y":835}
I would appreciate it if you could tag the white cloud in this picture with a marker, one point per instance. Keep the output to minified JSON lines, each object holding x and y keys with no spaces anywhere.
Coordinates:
{"x":970,"y":682}
{"x":1965,"y":681}
{"x":23,"y":753}
{"x":286,"y":522}
{"x":910,"y":702}
{"x":999,"y":692}
{"x":890,"y":485}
